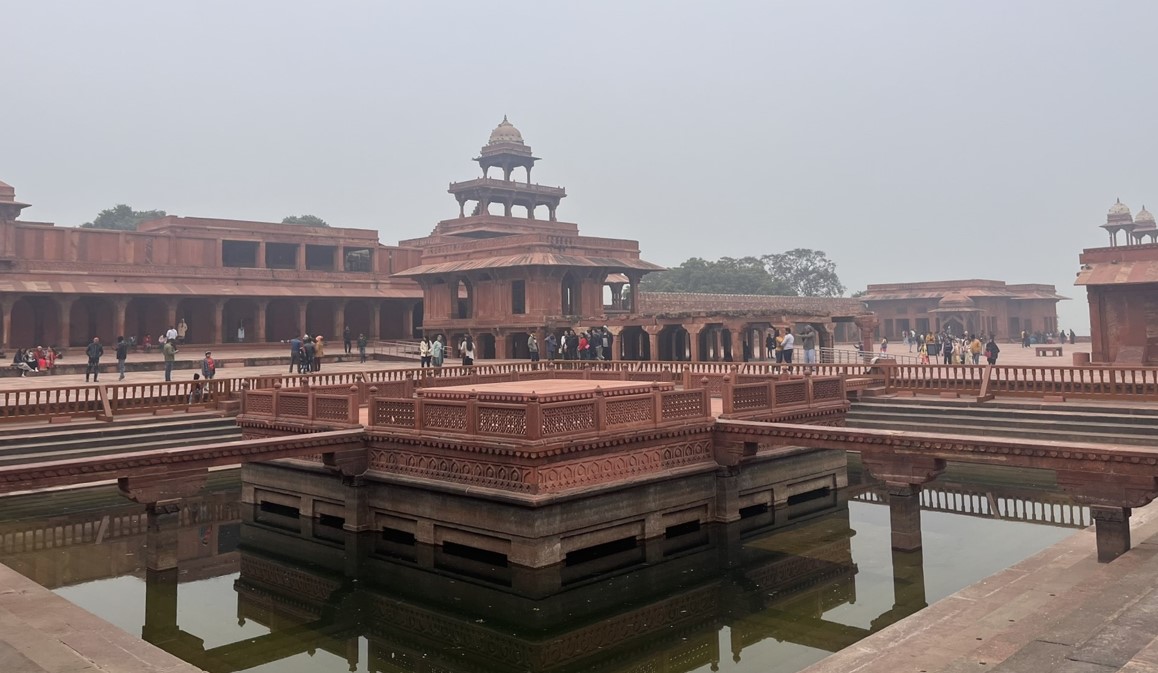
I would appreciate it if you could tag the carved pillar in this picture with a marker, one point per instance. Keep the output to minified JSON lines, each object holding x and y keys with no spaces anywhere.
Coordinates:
{"x":339,"y":327}
{"x":905,"y":516}
{"x":302,"y":316}
{"x":737,"y":345}
{"x":551,"y":211}
{"x":170,"y":312}
{"x":408,"y":320}
{"x":694,"y":336}
{"x":616,"y":347}
{"x":160,"y":606}
{"x":65,"y":320}
{"x":6,"y":324}
{"x":1112,"y":529}
{"x":652,"y":341}
{"x":259,"y":329}
{"x":375,"y":319}
{"x":218,"y":321}
{"x":903,"y":476}
{"x":502,"y":345}
{"x":867,"y":325}
{"x":120,"y":304}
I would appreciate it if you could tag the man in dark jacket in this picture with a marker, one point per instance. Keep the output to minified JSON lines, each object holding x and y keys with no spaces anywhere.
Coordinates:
{"x":295,"y":354}
{"x":122,"y":355}
{"x":94,"y":351}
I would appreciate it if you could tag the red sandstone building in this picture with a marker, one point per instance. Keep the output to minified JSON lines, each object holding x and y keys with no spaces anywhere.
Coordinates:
{"x":499,"y":271}
{"x":974,"y":306}
{"x":1122,"y":285}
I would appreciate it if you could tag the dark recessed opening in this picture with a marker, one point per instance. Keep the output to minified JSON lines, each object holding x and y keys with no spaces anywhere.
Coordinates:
{"x":281,"y":510}
{"x":808,"y":495}
{"x":681,"y":529}
{"x":331,"y":521}
{"x":475,"y":554}
{"x":398,"y":536}
{"x":753,"y":510}
{"x":599,"y":551}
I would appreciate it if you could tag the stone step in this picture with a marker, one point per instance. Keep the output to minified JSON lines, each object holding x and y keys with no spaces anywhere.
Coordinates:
{"x":99,"y":431}
{"x":1013,"y":432}
{"x":1079,"y":425}
{"x":937,"y":405}
{"x":168,"y":440}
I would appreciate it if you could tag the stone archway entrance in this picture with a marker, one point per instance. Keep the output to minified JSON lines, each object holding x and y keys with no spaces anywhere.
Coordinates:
{"x":35,"y":322}
{"x":240,"y":313}
{"x":90,"y":317}
{"x":198,"y":314}
{"x":633,"y":344}
{"x":674,"y":343}
{"x":145,"y":316}
{"x":281,"y":320}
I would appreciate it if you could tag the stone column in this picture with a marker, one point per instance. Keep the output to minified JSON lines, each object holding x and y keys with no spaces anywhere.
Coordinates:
{"x":375,"y":320}
{"x":339,"y":320}
{"x":502,"y":345}
{"x":65,"y":320}
{"x":302,"y":317}
{"x":867,"y":325}
{"x":160,"y":606}
{"x":905,"y":516}
{"x":1112,"y":528}
{"x":163,"y":521}
{"x":737,"y":343}
{"x":652,"y":341}
{"x":120,"y":305}
{"x":694,"y":335}
{"x":6,"y":324}
{"x":218,"y":317}
{"x":259,"y":329}
{"x":170,"y":313}
{"x":616,"y":347}
{"x":408,"y":320}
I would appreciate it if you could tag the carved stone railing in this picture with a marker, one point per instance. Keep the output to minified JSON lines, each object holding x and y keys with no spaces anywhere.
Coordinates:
{"x":760,"y":399}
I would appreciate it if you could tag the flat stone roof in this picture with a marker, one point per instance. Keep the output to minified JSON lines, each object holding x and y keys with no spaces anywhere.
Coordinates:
{"x":545,"y":390}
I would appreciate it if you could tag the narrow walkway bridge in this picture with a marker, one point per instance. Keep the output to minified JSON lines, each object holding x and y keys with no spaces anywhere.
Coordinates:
{"x":1030,"y":506}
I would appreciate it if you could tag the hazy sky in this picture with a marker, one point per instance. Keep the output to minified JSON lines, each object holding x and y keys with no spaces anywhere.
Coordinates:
{"x":909,"y":140}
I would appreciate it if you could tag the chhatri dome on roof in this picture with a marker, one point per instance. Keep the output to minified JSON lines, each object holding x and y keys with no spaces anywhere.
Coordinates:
{"x":1136,"y":228}
{"x":505,"y":132}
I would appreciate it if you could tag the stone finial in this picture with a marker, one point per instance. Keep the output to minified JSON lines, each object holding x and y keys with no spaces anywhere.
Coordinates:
{"x":277,"y":386}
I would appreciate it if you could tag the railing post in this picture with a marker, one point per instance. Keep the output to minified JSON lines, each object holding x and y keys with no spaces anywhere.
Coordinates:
{"x":600,"y":409}
{"x":534,"y":417}
{"x":277,"y":400}
{"x":657,"y":399}
{"x":472,"y":413}
{"x":727,"y":390}
{"x":419,"y":409}
{"x":353,"y":405}
{"x":771,"y":394}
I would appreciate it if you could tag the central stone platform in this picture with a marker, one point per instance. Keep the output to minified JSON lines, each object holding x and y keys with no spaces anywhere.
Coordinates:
{"x":544,"y":390}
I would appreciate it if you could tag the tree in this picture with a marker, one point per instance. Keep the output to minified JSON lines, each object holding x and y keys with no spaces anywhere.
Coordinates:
{"x":745,"y":275}
{"x":305,"y":220}
{"x":122,"y":218}
{"x":810,"y":273}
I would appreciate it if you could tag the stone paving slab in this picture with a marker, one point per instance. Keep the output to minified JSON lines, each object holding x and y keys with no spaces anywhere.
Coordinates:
{"x":1023,"y":618}
{"x":41,"y":632}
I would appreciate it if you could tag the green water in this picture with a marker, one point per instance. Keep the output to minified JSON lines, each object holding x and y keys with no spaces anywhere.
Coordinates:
{"x":760,"y":598}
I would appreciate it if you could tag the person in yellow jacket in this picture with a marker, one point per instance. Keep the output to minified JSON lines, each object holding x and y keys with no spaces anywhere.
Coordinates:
{"x":975,"y":349}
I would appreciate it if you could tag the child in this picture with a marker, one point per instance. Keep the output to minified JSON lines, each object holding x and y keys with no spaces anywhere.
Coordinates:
{"x":924,"y":353}
{"x":197,"y":392}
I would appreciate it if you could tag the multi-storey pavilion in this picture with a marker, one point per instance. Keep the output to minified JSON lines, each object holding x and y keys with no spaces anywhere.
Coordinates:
{"x":973,"y":306}
{"x":502,"y":277}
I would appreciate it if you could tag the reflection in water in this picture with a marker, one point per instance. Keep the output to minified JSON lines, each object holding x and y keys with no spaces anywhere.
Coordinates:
{"x":778,"y":588}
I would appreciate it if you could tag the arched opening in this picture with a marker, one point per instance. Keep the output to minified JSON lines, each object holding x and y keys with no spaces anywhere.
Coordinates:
{"x":484,"y":346}
{"x":517,"y":346}
{"x":674,"y":343}
{"x":145,"y":316}
{"x":320,"y":319}
{"x":416,"y":315}
{"x":358,"y":318}
{"x":198,"y":315}
{"x":240,"y":318}
{"x":462,"y":299}
{"x":633,"y":344}
{"x":390,"y":320}
{"x":954,"y":326}
{"x":90,"y":317}
{"x":569,"y":289}
{"x":281,"y":320}
{"x":35,"y":322}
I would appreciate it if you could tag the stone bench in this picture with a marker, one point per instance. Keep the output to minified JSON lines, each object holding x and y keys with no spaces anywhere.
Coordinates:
{"x":1047,"y":351}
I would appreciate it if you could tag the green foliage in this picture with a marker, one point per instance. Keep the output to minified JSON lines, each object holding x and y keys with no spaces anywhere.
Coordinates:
{"x":810,"y":273}
{"x":746,"y":275}
{"x":800,"y":272}
{"x":305,"y":220}
{"x":122,"y":218}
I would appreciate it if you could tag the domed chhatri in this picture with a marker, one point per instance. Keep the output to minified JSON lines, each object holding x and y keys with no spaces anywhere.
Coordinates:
{"x":505,"y":132}
{"x":1119,"y":212}
{"x":1144,"y":216}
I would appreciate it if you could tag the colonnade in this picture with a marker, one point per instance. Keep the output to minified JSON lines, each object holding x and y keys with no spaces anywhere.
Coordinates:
{"x":64,"y":320}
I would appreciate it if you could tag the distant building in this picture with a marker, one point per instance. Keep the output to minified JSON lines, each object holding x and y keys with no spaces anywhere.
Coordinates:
{"x":974,"y":306}
{"x":1122,"y":286}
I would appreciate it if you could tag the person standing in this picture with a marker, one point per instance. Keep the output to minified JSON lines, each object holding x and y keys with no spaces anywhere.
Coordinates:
{"x":975,"y":349}
{"x":308,"y":351}
{"x":437,"y":351}
{"x":182,"y":330}
{"x":597,"y":338}
{"x":788,"y":345}
{"x":533,"y":347}
{"x":991,"y":350}
{"x":884,"y":345}
{"x":467,"y":348}
{"x":947,"y":350}
{"x":171,"y":334}
{"x":424,"y":352}
{"x":295,"y":355}
{"x":122,"y":354}
{"x":362,"y":347}
{"x":241,"y":332}
{"x":808,"y":343}
{"x":94,"y":351}
{"x":770,"y":348}
{"x":208,"y":366}
{"x":319,"y":351}
{"x":346,"y":340}
{"x":169,"y":352}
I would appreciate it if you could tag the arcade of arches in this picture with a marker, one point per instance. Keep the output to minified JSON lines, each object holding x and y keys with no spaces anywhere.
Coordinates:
{"x":73,"y":320}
